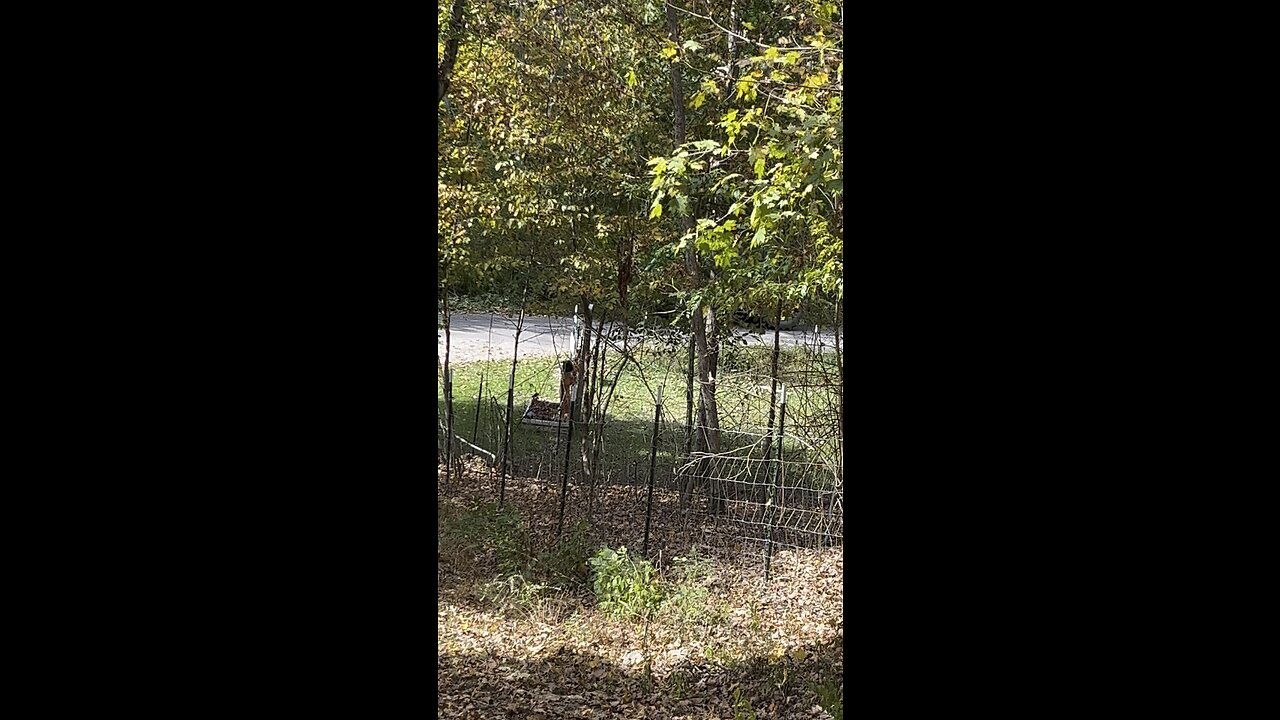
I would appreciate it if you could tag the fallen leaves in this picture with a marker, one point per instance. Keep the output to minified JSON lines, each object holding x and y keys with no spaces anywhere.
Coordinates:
{"x":773,"y":643}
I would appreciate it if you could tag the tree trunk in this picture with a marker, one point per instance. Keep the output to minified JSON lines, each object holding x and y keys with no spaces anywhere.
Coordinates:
{"x":702,"y":314}
{"x":594,"y":388}
{"x":583,"y":367}
{"x":450,"y":50}
{"x":735,"y":24}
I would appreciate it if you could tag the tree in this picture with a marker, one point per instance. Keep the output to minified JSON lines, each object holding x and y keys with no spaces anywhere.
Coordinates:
{"x":445,"y":67}
{"x":636,"y":156}
{"x":702,"y":313}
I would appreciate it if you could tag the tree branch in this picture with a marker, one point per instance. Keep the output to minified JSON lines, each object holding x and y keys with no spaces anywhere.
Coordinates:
{"x":744,"y":37}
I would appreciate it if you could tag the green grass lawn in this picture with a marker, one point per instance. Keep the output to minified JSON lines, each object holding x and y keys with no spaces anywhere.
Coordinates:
{"x":742,"y":397}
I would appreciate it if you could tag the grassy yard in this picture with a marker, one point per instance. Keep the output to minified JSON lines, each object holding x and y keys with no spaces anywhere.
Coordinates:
{"x":742,"y":394}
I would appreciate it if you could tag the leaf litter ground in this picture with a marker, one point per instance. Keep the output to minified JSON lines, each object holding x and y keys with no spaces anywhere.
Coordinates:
{"x":744,"y":648}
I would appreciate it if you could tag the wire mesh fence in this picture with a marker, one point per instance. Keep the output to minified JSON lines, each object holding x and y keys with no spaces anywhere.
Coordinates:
{"x":773,"y":480}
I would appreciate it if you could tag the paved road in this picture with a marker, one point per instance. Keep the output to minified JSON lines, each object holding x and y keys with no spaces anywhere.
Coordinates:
{"x":475,"y":337}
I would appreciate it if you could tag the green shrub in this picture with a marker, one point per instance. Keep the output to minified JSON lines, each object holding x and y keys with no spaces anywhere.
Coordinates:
{"x":624,"y":587}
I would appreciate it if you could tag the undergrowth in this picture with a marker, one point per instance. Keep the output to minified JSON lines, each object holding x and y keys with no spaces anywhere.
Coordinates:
{"x":624,"y":586}
{"x":476,"y":538}
{"x":830,"y":695}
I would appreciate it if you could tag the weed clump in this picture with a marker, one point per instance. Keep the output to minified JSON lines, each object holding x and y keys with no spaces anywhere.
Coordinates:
{"x":624,"y":586}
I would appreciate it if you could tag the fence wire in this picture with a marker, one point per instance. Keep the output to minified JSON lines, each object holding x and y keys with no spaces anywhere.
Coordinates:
{"x":756,"y":491}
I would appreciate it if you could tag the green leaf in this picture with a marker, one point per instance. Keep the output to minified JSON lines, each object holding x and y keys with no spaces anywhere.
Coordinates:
{"x":758,"y":240}
{"x":631,"y":78}
{"x":692,"y":45}
{"x":655,"y":211}
{"x":759,"y":167}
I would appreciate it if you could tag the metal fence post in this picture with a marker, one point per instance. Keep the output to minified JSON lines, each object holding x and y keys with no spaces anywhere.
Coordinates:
{"x":653,"y":454}
{"x":775,"y":495}
{"x":475,"y":425}
{"x":448,"y":440}
{"x":506,"y":433}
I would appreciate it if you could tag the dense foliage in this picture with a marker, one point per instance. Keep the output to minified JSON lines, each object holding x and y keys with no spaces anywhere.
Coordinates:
{"x":559,"y":173}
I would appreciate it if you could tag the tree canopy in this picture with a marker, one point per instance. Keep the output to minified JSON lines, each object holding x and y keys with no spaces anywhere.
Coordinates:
{"x":560,"y":172}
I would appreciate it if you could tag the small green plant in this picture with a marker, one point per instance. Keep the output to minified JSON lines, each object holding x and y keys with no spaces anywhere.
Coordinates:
{"x":687,"y":602}
{"x":678,"y":683}
{"x":624,"y":587}
{"x":515,"y":591}
{"x":830,"y":695}
{"x":742,"y":709}
{"x":778,"y":674}
{"x":689,"y":599}
{"x":693,"y":568}
{"x":719,"y":656}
